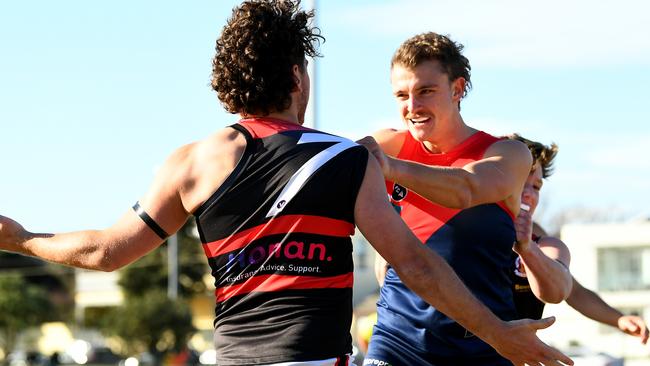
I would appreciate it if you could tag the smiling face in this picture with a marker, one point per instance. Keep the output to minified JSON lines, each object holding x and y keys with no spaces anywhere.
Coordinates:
{"x":426,"y":98}
{"x":532,"y":188}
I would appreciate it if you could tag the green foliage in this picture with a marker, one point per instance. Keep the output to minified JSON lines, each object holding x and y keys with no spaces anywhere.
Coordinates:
{"x":22,"y":305}
{"x":148,"y":320}
{"x":151,"y":271}
{"x":151,"y":322}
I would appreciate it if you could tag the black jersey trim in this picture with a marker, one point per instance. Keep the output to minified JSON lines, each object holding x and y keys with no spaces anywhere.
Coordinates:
{"x":239,"y":168}
{"x":149,"y":221}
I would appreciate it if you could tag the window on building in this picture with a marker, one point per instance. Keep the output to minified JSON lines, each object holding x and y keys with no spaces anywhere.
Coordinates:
{"x":624,"y":269}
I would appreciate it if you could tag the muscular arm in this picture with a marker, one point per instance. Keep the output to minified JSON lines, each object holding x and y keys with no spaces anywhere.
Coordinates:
{"x":428,"y":275}
{"x":174,"y":191}
{"x":589,"y":304}
{"x":546,"y":262}
{"x":500,"y":175}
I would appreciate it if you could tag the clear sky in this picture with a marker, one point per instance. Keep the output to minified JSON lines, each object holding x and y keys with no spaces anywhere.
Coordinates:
{"x":95,"y":94}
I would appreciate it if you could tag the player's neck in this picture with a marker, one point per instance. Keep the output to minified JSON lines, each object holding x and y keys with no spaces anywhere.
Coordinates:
{"x":450,"y":136}
{"x":285,"y":115}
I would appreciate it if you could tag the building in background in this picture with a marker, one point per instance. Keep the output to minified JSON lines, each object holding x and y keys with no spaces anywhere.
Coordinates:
{"x":96,"y":292}
{"x":612,"y":259}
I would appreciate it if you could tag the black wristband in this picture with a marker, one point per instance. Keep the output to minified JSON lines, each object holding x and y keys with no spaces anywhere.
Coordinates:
{"x":149,"y":221}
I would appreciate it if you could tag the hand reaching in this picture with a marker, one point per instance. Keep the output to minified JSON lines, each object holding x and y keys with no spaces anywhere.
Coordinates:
{"x":11,"y":234}
{"x":520,"y":345}
{"x":634,"y":326}
{"x":376,"y":151}
{"x":524,"y":230}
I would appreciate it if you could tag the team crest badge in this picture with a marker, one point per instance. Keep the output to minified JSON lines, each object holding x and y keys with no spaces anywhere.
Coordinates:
{"x":399,"y":192}
{"x":519,"y":268}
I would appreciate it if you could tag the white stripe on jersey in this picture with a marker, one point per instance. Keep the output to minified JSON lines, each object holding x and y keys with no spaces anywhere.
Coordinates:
{"x":303,"y":174}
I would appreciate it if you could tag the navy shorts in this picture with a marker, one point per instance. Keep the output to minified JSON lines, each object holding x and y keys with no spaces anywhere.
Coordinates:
{"x":386,"y":349}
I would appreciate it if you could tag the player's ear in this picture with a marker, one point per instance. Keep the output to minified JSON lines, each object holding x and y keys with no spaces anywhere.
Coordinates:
{"x":297,"y":78}
{"x":458,"y":89}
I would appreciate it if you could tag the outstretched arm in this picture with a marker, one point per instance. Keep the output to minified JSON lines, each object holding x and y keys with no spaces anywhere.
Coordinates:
{"x":499,"y":176}
{"x":122,"y":243}
{"x":429,"y":275}
{"x":589,"y":304}
{"x":546,"y":262}
{"x":188,"y":176}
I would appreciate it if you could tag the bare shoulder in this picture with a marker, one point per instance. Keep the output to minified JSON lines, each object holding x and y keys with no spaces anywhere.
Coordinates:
{"x":220,"y":143}
{"x":179,"y":160}
{"x":390,"y":140}
{"x":510,"y":149}
{"x":209,"y":162}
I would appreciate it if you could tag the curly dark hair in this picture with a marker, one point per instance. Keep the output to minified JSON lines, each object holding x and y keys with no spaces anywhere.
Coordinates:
{"x":252,"y":69}
{"x":433,"y":46}
{"x":542,"y":154}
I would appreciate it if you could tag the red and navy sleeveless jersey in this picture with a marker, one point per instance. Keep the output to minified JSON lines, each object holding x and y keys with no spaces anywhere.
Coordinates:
{"x":277,"y":235}
{"x":527,"y":304}
{"x":476,"y":242}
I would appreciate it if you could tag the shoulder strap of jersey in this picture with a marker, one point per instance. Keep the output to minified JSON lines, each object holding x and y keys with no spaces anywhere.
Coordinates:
{"x":239,"y":168}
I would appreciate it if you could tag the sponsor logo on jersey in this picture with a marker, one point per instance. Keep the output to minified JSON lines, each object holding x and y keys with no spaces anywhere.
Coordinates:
{"x":291,"y":250}
{"x":375,"y":362}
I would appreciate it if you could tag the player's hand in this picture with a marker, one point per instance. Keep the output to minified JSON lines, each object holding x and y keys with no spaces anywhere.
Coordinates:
{"x":11,"y":233}
{"x":635,"y":326}
{"x":376,"y":151}
{"x":519,"y":344}
{"x":524,"y":230}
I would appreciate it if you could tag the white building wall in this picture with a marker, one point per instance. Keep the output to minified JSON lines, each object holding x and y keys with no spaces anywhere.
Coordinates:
{"x":96,"y":288}
{"x":572,"y":328}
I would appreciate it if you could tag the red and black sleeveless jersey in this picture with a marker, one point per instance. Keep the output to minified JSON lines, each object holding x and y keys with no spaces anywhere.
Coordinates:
{"x":477,"y":244}
{"x":277,"y":237}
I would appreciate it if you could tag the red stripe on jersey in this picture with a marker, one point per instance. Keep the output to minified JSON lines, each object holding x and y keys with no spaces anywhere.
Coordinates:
{"x":273,"y":282}
{"x":505,"y":208}
{"x":280,"y":225}
{"x":425,"y":218}
{"x":260,"y":128}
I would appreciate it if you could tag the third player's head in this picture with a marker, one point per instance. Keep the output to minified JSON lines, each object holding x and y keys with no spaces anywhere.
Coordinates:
{"x":260,"y":58}
{"x":543,"y":158}
{"x":429,"y":77}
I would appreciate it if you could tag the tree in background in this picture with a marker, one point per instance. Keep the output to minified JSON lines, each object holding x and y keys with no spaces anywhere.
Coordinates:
{"x":151,"y":271}
{"x":148,"y":320}
{"x":22,"y":305}
{"x":153,"y":323}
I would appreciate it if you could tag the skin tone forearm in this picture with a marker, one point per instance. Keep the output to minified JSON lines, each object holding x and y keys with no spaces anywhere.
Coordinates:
{"x":592,"y":306}
{"x":429,"y":276}
{"x":498,"y":176}
{"x":545,"y":263}
{"x":184,"y":181}
{"x":448,"y":187}
{"x":589,"y":304}
{"x":549,"y":279}
{"x":104,"y":250}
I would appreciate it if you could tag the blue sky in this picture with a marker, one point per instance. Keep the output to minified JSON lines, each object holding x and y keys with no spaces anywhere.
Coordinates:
{"x":94,"y":95}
